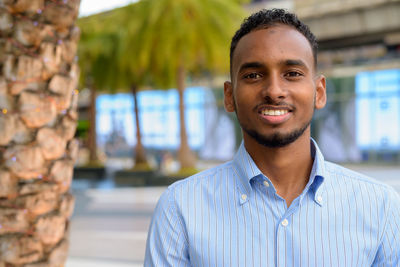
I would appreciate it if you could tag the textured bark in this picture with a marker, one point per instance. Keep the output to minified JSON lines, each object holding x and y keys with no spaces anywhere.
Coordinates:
{"x":186,"y":156}
{"x":140,"y":153}
{"x":38,"y":113}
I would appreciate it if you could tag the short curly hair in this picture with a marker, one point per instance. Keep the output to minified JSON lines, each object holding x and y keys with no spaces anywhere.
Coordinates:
{"x":271,"y":17}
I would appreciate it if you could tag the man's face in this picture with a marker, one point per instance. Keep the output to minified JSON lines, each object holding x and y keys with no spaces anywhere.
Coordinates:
{"x":274,"y":88}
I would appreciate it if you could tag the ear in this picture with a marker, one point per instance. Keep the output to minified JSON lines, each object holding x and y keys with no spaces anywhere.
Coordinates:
{"x":320,"y":94}
{"x":229,"y":102}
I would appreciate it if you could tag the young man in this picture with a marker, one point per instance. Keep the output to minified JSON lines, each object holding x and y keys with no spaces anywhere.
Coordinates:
{"x":278,"y":202}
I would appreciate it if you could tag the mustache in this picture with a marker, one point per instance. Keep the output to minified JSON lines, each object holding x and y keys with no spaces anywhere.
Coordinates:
{"x":274,"y":104}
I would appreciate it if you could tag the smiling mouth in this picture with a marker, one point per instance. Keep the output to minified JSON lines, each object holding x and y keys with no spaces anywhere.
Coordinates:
{"x":274,"y":112}
{"x":275,"y":115}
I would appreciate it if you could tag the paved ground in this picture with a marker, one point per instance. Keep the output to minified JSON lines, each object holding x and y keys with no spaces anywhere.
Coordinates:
{"x":109,"y":225}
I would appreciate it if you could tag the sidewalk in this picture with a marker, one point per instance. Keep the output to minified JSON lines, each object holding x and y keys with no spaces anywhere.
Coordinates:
{"x":82,"y":262}
{"x":109,"y":226}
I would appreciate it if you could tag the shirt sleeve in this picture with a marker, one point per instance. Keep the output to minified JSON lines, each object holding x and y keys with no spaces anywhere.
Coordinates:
{"x":388,"y":253}
{"x":167,"y":238}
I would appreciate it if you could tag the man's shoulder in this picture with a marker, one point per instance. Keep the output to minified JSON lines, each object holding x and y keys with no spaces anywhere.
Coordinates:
{"x":382,"y":194}
{"x":340,"y":172}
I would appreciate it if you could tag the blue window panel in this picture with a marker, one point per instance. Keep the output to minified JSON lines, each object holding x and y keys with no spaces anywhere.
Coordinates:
{"x":378,"y":110}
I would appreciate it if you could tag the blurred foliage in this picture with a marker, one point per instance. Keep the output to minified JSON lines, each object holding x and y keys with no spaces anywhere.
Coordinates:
{"x":145,"y":42}
{"x":190,"y":34}
{"x":82,"y":129}
{"x":101,"y":53}
{"x":184,"y":172}
{"x":142,"y":167}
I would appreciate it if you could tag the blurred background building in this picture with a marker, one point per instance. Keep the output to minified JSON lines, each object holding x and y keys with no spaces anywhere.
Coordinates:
{"x":359,"y":53}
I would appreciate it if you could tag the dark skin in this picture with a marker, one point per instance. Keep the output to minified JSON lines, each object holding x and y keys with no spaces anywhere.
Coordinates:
{"x":274,"y":91}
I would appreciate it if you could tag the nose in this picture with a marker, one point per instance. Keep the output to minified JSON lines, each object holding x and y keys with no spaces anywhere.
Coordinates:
{"x":274,"y":89}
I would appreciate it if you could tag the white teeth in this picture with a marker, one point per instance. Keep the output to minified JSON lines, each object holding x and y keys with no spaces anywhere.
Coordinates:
{"x":274,"y":112}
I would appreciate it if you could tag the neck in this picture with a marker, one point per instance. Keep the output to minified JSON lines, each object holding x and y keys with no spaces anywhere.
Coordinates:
{"x":287,"y":167}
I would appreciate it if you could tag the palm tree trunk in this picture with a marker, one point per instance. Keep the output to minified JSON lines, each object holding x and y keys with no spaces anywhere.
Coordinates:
{"x":37,"y":126}
{"x":92,"y":144}
{"x":186,"y":156}
{"x":140,"y":153}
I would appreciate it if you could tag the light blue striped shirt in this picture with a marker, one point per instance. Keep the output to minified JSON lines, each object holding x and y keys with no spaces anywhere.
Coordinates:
{"x":231,"y":215}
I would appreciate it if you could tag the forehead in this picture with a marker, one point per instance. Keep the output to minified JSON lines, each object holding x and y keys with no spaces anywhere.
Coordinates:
{"x":278,"y":42}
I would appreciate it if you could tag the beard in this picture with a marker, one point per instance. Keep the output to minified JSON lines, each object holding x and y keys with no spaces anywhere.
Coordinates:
{"x":276,"y":140}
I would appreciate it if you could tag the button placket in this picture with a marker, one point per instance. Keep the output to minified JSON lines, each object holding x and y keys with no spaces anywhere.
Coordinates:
{"x":282,"y":233}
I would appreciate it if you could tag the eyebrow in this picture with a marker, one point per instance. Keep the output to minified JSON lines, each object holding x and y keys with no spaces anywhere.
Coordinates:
{"x":287,"y":62}
{"x":294,"y":62}
{"x":250,"y":65}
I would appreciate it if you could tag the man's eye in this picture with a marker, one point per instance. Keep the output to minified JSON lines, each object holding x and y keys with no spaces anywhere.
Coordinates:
{"x":293,"y":74}
{"x":253,"y":76}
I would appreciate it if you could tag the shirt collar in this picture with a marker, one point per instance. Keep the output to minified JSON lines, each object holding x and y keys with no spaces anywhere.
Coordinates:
{"x":247,"y":170}
{"x":318,"y":174}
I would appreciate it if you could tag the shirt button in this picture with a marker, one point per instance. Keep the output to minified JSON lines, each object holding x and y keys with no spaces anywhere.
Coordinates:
{"x":266,"y":183}
{"x":244,"y":196}
{"x":319,"y":199}
{"x":285,"y":222}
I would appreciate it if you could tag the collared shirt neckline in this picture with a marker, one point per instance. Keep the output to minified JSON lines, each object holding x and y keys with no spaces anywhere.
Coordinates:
{"x":246,"y":171}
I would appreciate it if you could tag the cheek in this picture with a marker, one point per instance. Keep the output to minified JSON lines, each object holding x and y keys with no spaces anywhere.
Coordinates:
{"x":244,"y":96}
{"x":312,"y":103}
{"x":308,"y":95}
{"x":241,"y":105}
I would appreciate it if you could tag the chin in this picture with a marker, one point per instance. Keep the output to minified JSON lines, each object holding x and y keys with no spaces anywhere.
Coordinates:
{"x":277,"y":139}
